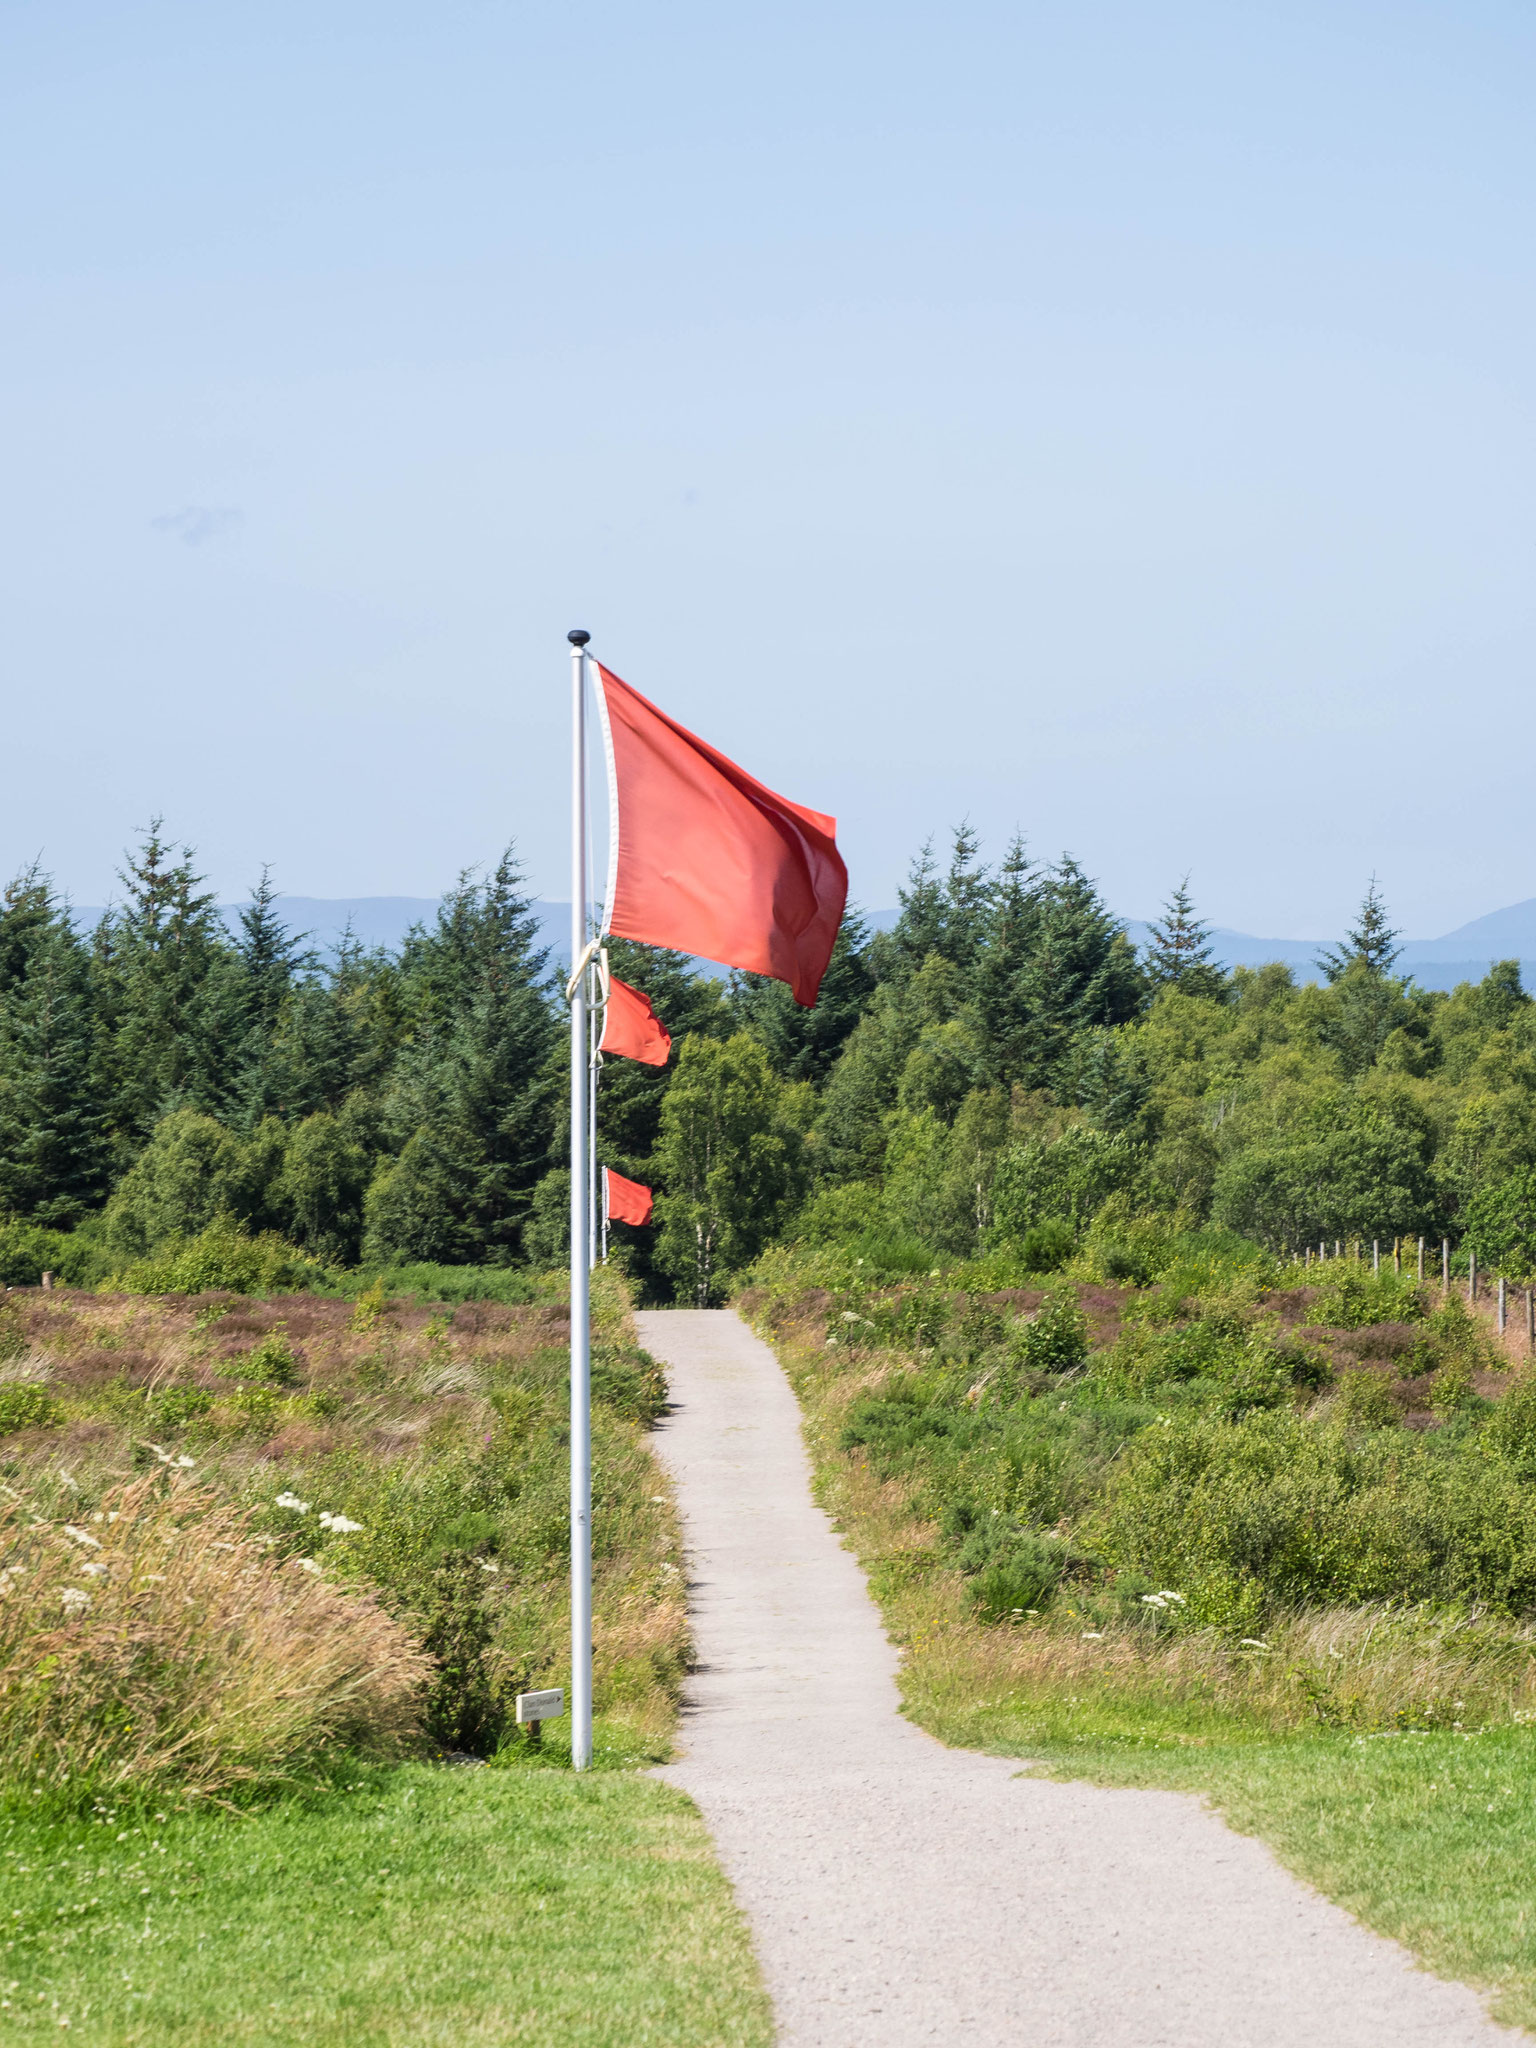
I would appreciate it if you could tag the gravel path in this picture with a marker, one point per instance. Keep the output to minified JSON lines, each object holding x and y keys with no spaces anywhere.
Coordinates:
{"x":900,"y":1892}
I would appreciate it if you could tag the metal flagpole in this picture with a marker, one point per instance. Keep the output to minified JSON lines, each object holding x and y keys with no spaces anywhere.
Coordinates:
{"x":581,"y":1328}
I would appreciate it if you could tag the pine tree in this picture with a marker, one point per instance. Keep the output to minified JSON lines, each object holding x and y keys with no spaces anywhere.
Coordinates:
{"x":471,"y":1100}
{"x":801,"y":1044}
{"x":1012,"y":932}
{"x":27,"y":915}
{"x":947,"y":917}
{"x":1081,"y":972}
{"x":165,"y":985}
{"x":1180,"y":953}
{"x":1369,"y":945}
{"x":269,"y":1077}
{"x":54,"y":1156}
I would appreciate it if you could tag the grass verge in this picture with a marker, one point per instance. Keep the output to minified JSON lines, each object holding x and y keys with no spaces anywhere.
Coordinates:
{"x":416,"y":1905}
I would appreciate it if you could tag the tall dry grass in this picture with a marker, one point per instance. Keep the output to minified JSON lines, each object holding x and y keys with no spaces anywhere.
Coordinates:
{"x":157,"y":1643}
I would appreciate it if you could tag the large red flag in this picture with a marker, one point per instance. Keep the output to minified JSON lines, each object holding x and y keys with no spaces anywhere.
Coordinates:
{"x":626,"y":1200}
{"x":703,"y":857}
{"x":632,"y":1028}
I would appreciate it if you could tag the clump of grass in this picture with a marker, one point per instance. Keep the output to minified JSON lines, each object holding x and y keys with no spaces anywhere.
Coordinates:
{"x":159,"y":1644}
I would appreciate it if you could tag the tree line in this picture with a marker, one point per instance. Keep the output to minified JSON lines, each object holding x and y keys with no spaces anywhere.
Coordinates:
{"x":998,"y":1070}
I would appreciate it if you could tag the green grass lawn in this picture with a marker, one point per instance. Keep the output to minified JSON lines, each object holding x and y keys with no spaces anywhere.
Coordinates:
{"x":421,"y":1905}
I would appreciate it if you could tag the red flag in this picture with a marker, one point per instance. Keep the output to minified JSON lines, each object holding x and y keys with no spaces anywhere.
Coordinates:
{"x":632,"y":1028}
{"x":626,"y":1200}
{"x":704,"y":858}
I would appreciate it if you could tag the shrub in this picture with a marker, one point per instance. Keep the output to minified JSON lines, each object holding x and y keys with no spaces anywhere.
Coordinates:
{"x":1364,"y":1401}
{"x":27,"y":1252}
{"x":270,"y":1363}
{"x":24,"y":1407}
{"x":1046,"y":1247}
{"x":1512,"y":1426}
{"x":161,"y":1646}
{"x":1354,"y":1298}
{"x":221,"y":1259}
{"x":1055,"y":1337}
{"x":1023,"y":1577}
{"x":1302,"y":1514}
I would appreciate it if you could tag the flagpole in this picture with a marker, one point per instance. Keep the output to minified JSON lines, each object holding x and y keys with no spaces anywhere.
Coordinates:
{"x":581,"y":1329}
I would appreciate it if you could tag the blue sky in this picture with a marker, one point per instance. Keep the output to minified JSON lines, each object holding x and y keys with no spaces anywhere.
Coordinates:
{"x":1106,"y":420}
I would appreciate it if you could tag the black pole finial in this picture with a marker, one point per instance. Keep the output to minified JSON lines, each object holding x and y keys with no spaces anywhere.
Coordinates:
{"x":578,"y":638}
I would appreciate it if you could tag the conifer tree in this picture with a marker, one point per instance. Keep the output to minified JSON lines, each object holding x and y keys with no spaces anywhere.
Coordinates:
{"x":54,"y":1158}
{"x":165,"y":975}
{"x":1180,"y":953}
{"x":802,"y":1044}
{"x":1371,"y":944}
{"x":1081,"y":971}
{"x":471,"y":1098}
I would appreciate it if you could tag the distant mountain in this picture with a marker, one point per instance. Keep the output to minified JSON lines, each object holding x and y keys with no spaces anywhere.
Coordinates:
{"x":1462,"y":955}
{"x":1465,"y":954}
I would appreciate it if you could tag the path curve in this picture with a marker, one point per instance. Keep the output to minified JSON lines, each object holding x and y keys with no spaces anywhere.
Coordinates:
{"x":900,"y":1892}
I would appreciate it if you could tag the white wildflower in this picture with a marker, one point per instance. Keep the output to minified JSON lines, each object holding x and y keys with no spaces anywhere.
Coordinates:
{"x":1091,"y":1635}
{"x":1154,"y":1600}
{"x":1252,"y":1643}
{"x":291,"y":1500}
{"x":82,"y":1536}
{"x":73,"y":1598}
{"x":488,"y":1564}
{"x":186,"y":1464}
{"x":1166,"y":1595}
{"x":339,"y":1525}
{"x":161,"y":1453}
{"x":94,"y":1569}
{"x":307,"y":1564}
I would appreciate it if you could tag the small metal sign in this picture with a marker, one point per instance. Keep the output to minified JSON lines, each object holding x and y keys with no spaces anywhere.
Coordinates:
{"x":540,"y":1706}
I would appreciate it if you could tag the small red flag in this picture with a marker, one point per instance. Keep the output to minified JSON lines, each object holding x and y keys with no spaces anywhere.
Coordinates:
{"x":625,"y":1200}
{"x":703,"y":857}
{"x":632,"y":1028}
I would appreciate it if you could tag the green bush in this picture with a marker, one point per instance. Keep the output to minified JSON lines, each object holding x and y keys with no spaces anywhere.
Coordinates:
{"x":1364,"y":1401}
{"x":269,"y":1363}
{"x":1046,"y":1247}
{"x":1067,"y":1181}
{"x":27,"y":1252}
{"x":1055,"y":1338}
{"x":221,"y":1259}
{"x":24,"y":1407}
{"x":1020,"y":1579}
{"x":1277,"y":1509}
{"x":424,"y":1282}
{"x":1354,"y":1297}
